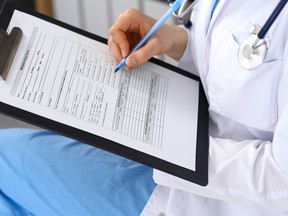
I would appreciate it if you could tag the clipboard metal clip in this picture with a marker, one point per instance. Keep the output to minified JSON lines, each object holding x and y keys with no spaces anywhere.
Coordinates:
{"x":9,"y":44}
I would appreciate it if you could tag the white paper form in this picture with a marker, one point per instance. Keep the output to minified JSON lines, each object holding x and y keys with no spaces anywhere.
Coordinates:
{"x":69,"y":78}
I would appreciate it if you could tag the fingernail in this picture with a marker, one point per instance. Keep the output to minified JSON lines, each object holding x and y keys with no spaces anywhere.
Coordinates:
{"x":127,"y":68}
{"x":123,"y":53}
{"x":131,"y":62}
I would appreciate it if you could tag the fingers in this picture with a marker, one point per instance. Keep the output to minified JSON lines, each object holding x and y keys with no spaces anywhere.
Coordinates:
{"x":142,"y":55}
{"x":115,"y":49}
{"x":128,"y":29}
{"x":119,"y":38}
{"x":116,"y":52}
{"x":121,"y":33}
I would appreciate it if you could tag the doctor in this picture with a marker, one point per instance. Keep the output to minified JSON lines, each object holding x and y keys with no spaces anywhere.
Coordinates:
{"x":43,"y":173}
{"x":248,"y":159}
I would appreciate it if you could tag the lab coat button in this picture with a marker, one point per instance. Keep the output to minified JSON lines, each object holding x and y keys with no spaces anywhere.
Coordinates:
{"x":162,"y":214}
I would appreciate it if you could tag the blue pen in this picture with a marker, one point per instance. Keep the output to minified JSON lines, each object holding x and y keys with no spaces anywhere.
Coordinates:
{"x":269,"y":22}
{"x":151,"y":31}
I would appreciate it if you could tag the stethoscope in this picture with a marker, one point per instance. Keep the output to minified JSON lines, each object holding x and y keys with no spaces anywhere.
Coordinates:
{"x":253,"y":49}
{"x":184,"y":10}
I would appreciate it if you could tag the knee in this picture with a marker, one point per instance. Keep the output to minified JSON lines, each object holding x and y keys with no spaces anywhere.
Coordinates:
{"x":15,"y":139}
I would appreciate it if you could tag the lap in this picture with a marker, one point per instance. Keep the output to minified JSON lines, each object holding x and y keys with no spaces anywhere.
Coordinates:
{"x":49,"y":174}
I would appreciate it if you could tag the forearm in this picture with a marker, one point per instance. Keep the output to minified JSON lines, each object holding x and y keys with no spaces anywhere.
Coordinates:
{"x":180,"y":39}
{"x":247,"y":172}
{"x":242,"y":172}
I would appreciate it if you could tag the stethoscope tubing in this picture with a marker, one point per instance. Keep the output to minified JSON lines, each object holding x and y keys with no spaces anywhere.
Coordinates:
{"x":257,"y":52}
{"x":271,"y":19}
{"x":182,"y":12}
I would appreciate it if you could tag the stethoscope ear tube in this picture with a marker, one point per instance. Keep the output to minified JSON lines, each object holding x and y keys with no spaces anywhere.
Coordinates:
{"x":183,"y":11}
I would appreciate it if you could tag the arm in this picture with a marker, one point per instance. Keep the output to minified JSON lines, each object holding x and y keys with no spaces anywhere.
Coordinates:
{"x":243,"y":172}
{"x":249,"y":172}
{"x":131,"y":26}
{"x":256,"y":170}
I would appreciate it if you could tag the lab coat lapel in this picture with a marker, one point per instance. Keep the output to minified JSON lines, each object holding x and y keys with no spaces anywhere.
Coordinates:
{"x":201,"y":21}
{"x":216,"y":14}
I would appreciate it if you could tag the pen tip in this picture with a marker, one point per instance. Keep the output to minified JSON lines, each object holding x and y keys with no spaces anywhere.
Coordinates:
{"x":120,"y":65}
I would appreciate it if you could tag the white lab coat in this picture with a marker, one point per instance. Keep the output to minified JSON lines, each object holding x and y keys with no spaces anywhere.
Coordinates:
{"x":248,"y":156}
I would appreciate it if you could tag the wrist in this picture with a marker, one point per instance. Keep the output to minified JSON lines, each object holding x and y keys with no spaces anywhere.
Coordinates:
{"x":179,"y":42}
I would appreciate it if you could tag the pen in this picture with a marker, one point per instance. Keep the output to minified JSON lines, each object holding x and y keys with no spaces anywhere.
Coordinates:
{"x":269,"y":22}
{"x":151,"y":31}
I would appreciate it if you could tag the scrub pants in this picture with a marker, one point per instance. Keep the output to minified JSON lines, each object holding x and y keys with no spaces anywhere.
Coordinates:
{"x":42,"y":173}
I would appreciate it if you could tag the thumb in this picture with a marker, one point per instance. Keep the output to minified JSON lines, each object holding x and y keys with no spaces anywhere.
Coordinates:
{"x":143,"y":54}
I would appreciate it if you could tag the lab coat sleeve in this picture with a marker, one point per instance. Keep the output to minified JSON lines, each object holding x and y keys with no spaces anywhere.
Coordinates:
{"x":280,"y":147}
{"x":254,"y":171}
{"x":185,"y":62}
{"x":249,"y":172}
{"x":243,"y":172}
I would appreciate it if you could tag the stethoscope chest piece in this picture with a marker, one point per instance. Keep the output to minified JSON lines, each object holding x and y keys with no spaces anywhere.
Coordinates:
{"x":250,"y":56}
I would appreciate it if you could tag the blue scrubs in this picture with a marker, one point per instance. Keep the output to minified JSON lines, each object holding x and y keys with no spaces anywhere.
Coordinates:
{"x":43,"y":173}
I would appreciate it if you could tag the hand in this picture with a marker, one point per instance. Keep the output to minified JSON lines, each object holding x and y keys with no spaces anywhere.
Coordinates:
{"x":131,"y":26}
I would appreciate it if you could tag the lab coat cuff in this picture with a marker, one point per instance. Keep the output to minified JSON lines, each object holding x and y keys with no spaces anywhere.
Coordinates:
{"x":185,"y":61}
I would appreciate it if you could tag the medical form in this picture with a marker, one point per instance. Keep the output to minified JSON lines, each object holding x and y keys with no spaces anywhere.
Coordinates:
{"x":69,"y":78}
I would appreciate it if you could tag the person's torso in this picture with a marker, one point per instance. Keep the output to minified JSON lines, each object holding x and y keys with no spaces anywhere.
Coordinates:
{"x":243,"y":103}
{"x":246,"y":97}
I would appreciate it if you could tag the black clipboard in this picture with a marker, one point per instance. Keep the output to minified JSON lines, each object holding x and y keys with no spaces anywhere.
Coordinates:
{"x":199,"y":176}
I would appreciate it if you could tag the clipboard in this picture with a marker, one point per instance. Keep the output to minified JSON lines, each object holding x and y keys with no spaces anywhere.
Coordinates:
{"x":199,"y":175}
